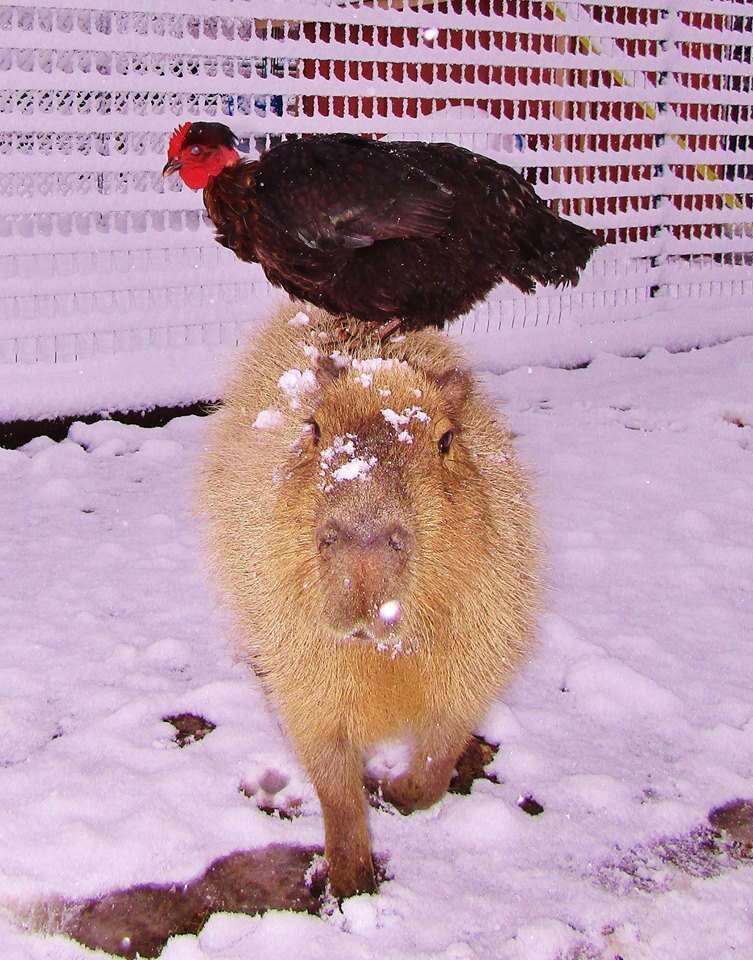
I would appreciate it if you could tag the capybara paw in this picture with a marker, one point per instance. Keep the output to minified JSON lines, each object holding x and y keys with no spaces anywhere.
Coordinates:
{"x":349,"y":880}
{"x":407,"y":794}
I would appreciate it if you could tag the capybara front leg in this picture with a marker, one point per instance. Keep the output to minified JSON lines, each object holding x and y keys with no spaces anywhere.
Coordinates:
{"x":427,"y":778}
{"x":336,"y":773}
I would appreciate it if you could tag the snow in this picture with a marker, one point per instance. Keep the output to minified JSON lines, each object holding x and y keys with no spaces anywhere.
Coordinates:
{"x":364,"y":369}
{"x":399,"y":421}
{"x":301,"y":319}
{"x":294,"y":382}
{"x":149,"y":367}
{"x":631,"y":719}
{"x":674,"y":325}
{"x":268,"y":419}
{"x":375,"y":364}
{"x":352,"y":469}
{"x":390,"y":611}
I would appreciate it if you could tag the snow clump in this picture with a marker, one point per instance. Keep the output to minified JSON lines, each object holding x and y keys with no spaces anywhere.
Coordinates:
{"x":301,"y":319}
{"x":268,"y":419}
{"x":372,"y":364}
{"x":401,"y":421}
{"x":390,"y":611}
{"x":339,"y":358}
{"x":295,"y":382}
{"x":353,"y":468}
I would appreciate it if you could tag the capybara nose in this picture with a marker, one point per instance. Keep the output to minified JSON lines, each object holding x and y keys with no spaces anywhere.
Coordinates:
{"x":392,"y":539}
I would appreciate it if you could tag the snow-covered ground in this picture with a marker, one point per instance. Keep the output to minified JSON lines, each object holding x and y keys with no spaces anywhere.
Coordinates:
{"x":632,"y":720}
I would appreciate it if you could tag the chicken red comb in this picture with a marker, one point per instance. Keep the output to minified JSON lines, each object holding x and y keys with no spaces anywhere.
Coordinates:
{"x":176,"y":139}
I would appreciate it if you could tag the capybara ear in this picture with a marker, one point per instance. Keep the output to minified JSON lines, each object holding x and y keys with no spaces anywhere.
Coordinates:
{"x":327,"y":370}
{"x":456,"y":386}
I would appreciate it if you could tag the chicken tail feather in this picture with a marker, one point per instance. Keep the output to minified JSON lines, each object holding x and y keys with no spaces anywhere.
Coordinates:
{"x":551,"y":250}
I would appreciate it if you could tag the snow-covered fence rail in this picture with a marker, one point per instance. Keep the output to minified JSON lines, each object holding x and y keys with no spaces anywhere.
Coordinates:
{"x":634,"y":118}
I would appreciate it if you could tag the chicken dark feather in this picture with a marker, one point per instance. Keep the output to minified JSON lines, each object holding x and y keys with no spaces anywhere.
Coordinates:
{"x":345,"y":191}
{"x":376,"y":230}
{"x":209,"y":135}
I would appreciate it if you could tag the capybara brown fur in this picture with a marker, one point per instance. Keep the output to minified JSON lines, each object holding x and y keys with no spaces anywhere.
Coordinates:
{"x":371,"y":527}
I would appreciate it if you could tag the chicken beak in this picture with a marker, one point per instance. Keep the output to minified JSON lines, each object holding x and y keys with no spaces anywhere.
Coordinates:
{"x":172,"y":166}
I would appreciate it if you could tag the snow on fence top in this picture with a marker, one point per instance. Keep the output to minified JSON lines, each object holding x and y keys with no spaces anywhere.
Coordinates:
{"x":634,"y":118}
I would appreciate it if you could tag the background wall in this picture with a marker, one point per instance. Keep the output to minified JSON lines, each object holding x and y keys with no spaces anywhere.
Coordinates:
{"x":633,"y":118}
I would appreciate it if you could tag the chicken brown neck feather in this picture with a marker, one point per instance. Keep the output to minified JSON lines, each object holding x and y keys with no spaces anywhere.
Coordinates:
{"x":229,"y":202}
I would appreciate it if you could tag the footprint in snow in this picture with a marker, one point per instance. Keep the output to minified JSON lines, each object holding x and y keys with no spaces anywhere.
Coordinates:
{"x":266,"y":792}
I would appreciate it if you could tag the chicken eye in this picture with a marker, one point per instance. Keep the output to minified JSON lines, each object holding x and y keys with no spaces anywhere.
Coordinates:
{"x":445,"y":441}
{"x":314,"y":431}
{"x":196,"y":151}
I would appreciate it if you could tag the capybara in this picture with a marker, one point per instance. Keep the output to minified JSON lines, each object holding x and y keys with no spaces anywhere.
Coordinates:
{"x":371,"y":527}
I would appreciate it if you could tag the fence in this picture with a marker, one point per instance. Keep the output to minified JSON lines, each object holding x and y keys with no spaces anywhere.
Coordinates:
{"x":632,"y":118}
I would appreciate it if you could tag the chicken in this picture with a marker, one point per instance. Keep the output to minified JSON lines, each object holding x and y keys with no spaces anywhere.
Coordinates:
{"x":380,"y":232}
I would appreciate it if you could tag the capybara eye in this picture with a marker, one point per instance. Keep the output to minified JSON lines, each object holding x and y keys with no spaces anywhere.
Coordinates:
{"x":445,"y":440}
{"x":327,"y":535}
{"x":314,"y":429}
{"x":396,"y":542}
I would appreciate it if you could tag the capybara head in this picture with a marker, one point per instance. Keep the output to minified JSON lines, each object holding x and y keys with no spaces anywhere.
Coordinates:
{"x":384,"y":472}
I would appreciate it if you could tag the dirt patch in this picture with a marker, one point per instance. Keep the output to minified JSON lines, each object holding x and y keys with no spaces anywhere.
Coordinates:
{"x":530,"y":805}
{"x":15,"y":433}
{"x":470,"y":766}
{"x":707,"y":851}
{"x":190,"y":728}
{"x":735,"y":820}
{"x":138,"y":922}
{"x":724,"y":843}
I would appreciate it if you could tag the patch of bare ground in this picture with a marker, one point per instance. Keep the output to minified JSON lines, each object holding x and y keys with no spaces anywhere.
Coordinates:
{"x":139,"y":921}
{"x":189,"y":727}
{"x":724,"y":842}
{"x":735,"y":820}
{"x":470,"y":766}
